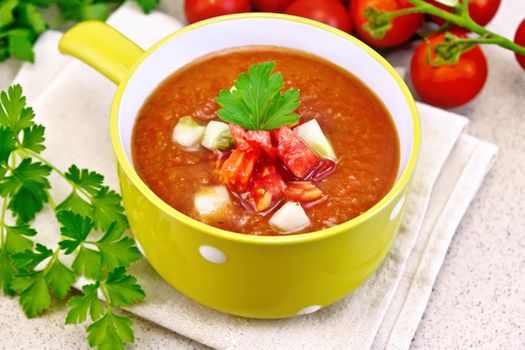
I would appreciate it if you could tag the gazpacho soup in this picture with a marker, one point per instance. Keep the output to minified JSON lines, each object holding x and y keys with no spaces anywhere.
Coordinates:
{"x":266,"y":141}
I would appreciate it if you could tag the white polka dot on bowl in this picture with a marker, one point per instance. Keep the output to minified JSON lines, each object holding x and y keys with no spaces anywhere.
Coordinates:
{"x":397,"y":209}
{"x":308,"y":310}
{"x":212,"y":254}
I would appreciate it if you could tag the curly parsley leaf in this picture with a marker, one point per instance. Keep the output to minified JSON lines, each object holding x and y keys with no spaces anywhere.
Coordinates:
{"x":13,"y":111}
{"x":34,"y":286}
{"x":29,"y":174}
{"x":34,"y":293}
{"x":107,"y":209}
{"x":60,"y":278}
{"x":36,"y":272}
{"x":7,"y":271}
{"x":148,"y":5}
{"x":29,"y":16}
{"x":7,"y":8}
{"x":16,"y":238}
{"x":123,"y":289}
{"x":29,"y":259}
{"x":89,"y":181}
{"x":115,"y":250}
{"x":74,"y":227}
{"x":26,"y":185}
{"x":76,"y":204}
{"x":33,"y":138}
{"x":79,"y":306}
{"x":257,"y":102}
{"x":88,"y":263}
{"x":7,"y":144}
{"x":22,"y":21}
{"x":111,"y":332}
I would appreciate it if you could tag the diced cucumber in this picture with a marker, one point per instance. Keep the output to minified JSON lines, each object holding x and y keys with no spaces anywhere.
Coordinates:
{"x":217,"y":136}
{"x":188,"y":133}
{"x":312,"y":134}
{"x":212,"y":201}
{"x":290,"y":218}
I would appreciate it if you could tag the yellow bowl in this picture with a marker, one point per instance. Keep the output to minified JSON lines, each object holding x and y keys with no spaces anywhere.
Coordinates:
{"x":252,"y":276}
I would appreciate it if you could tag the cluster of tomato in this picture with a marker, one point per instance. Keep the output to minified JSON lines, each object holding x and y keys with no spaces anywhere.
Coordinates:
{"x":448,"y":85}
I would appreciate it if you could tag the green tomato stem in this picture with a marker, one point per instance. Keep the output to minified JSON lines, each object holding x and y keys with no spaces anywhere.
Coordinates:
{"x":406,"y":11}
{"x":463,"y":19}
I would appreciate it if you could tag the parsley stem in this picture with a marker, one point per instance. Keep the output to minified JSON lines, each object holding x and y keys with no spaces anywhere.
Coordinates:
{"x":51,"y":201}
{"x":51,"y":261}
{"x":4,"y":206}
{"x":2,"y":223}
{"x":56,"y":170}
{"x":106,"y":296}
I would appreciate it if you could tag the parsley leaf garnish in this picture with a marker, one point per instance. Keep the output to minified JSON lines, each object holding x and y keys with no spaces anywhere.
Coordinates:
{"x":257,"y":102}
{"x":92,"y":231}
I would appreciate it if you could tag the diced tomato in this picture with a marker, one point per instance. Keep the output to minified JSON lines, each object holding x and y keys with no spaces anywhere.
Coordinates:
{"x":325,"y":169}
{"x":266,"y":188}
{"x":236,"y":171}
{"x":239,"y":137}
{"x":221,"y":157}
{"x":298,"y":157}
{"x":246,"y":139}
{"x":262,"y":139}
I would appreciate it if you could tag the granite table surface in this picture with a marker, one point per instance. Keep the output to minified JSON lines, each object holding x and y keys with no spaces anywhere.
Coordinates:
{"x":478,"y":300}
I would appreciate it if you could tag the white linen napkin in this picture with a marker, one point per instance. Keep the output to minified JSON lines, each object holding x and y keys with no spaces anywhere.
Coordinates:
{"x":74,"y":106}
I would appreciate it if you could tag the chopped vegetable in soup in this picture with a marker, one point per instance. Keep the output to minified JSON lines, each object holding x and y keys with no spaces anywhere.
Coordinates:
{"x":266,"y":141}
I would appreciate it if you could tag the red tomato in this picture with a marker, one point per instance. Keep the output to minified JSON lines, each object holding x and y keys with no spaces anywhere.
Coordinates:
{"x":403,"y":27}
{"x":252,"y":139}
{"x":239,"y":138}
{"x":266,"y":188}
{"x":236,"y":171}
{"x":331,"y":12}
{"x":197,"y":10}
{"x":324,"y":170}
{"x":519,"y":39}
{"x":272,"y":5}
{"x":296,"y":155}
{"x":448,"y":85}
{"x":481,"y":11}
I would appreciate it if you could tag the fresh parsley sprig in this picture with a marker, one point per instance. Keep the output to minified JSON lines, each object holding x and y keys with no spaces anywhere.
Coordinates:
{"x":256,"y":102}
{"x":92,"y":225}
{"x":22,"y":21}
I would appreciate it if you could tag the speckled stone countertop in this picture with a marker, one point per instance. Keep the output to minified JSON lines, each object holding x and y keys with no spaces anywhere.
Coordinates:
{"x":478,"y":300}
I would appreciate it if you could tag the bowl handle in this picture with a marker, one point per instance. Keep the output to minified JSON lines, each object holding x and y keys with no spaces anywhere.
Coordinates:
{"x":102,"y":47}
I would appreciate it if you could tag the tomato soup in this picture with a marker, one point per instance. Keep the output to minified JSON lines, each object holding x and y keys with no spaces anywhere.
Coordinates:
{"x":356,"y":123}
